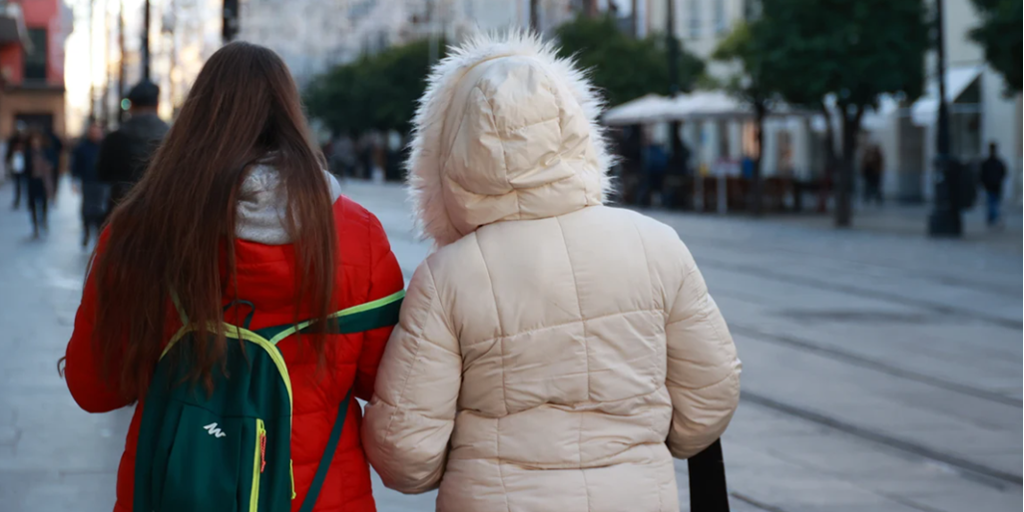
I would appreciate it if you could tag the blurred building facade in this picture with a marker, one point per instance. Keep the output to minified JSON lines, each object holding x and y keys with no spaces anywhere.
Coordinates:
{"x":721,"y":143}
{"x":905,"y":131}
{"x":32,"y":35}
{"x":314,"y":35}
{"x":980,"y":113}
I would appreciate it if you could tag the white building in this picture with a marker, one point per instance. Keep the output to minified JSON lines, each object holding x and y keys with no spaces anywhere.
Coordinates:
{"x":980,"y":113}
{"x":313,"y":35}
{"x":789,"y":147}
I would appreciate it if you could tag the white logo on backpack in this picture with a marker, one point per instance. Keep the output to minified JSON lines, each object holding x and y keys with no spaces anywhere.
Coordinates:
{"x":214,"y":430}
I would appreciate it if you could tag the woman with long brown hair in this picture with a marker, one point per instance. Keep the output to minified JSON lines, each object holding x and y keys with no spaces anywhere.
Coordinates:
{"x":236,"y":217}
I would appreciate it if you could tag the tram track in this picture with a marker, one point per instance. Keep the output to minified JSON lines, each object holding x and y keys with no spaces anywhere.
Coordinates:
{"x":852,"y":358}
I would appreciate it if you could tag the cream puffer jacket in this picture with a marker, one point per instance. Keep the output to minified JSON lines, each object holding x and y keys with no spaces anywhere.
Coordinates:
{"x":553,"y":354}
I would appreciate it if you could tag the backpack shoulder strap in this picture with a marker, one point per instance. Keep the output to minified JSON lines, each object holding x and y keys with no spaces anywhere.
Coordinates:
{"x":364,"y":317}
{"x":328,"y":457}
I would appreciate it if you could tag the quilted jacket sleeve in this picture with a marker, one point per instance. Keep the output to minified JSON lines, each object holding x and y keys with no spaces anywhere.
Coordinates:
{"x":410,"y":419}
{"x":385,"y":279}
{"x":703,"y":369}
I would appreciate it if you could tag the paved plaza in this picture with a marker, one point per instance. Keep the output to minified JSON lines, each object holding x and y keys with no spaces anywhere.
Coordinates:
{"x":882,"y":369}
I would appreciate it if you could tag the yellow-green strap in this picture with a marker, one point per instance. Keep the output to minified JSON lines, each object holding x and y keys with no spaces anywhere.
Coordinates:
{"x":364,"y":317}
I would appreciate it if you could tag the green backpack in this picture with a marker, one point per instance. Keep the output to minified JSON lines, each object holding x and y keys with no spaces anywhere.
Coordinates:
{"x":230,"y":450}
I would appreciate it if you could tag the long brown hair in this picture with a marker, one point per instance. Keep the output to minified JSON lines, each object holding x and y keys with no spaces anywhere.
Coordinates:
{"x":175,"y":230}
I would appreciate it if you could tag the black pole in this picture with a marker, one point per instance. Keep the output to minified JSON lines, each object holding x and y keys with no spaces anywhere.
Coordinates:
{"x":104,"y":96}
{"x":677,"y":163}
{"x":92,"y":86}
{"x":145,"y":41}
{"x":945,"y":219}
{"x":534,"y":16}
{"x":229,"y":29}
{"x":121,"y":112}
{"x":636,"y":20}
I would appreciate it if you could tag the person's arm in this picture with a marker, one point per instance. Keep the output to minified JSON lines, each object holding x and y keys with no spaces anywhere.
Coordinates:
{"x":82,"y":364}
{"x":385,"y":279}
{"x":410,"y":419}
{"x":703,"y":369}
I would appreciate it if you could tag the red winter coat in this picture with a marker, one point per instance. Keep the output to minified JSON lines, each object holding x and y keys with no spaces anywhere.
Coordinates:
{"x":367,"y":271}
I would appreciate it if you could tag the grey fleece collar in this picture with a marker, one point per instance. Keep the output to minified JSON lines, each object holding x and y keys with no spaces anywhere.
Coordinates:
{"x":262,"y":201}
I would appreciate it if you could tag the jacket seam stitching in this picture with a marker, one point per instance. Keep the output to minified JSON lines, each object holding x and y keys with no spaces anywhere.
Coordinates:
{"x":579,"y":303}
{"x":504,"y":155}
{"x":415,"y":359}
{"x":497,"y":316}
{"x":563,"y":324}
{"x":650,"y":279}
{"x":702,"y":314}
{"x":727,"y":376}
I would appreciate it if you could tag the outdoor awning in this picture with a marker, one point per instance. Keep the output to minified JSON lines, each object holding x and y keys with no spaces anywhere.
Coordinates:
{"x":706,"y":104}
{"x":958,"y":79}
{"x":646,"y":109}
{"x":697,"y":105}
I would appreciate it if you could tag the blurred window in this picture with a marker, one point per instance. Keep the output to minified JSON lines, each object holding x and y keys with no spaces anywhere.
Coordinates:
{"x":719,"y":16}
{"x":695,"y":18}
{"x":35,"y":57}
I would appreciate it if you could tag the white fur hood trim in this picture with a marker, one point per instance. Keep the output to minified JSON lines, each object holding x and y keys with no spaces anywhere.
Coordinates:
{"x":506,"y":130}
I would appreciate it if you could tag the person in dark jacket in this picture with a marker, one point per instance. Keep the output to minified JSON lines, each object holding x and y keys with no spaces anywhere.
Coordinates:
{"x":15,"y":160}
{"x":125,"y":153}
{"x":872,"y":168}
{"x":41,"y":167}
{"x":993,"y":173}
{"x":83,"y":170}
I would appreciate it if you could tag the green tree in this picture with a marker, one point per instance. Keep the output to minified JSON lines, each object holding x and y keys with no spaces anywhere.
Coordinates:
{"x":750,"y":85}
{"x":623,"y":67}
{"x":376,"y":92}
{"x":1000,"y":33}
{"x":852,"y":51}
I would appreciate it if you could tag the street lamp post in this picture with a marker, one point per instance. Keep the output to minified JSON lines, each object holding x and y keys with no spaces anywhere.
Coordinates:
{"x":145,"y":41}
{"x":121,"y":112}
{"x":945,"y":219}
{"x":534,"y":16}
{"x":229,"y":30}
{"x":678,"y":159}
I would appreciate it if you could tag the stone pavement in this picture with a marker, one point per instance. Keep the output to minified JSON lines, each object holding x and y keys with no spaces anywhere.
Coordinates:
{"x":882,"y":370}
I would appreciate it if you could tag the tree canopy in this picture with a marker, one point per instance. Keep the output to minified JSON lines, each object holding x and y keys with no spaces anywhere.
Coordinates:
{"x":623,"y":67}
{"x":376,"y":92}
{"x":1000,"y":34}
{"x":855,"y":50}
{"x":852,"y":51}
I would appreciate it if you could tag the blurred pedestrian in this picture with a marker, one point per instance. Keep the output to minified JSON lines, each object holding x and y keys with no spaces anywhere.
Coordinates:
{"x":872,"y":167}
{"x":344,"y":156}
{"x":94,"y":192}
{"x":652,"y":181}
{"x":125,"y":153}
{"x":237,"y":221}
{"x":41,"y":167}
{"x":993,"y":174}
{"x":553,"y":353}
{"x":17,"y":148}
{"x":56,"y":146}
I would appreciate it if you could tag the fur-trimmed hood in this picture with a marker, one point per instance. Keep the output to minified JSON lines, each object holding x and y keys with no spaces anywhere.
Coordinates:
{"x":506,"y":130}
